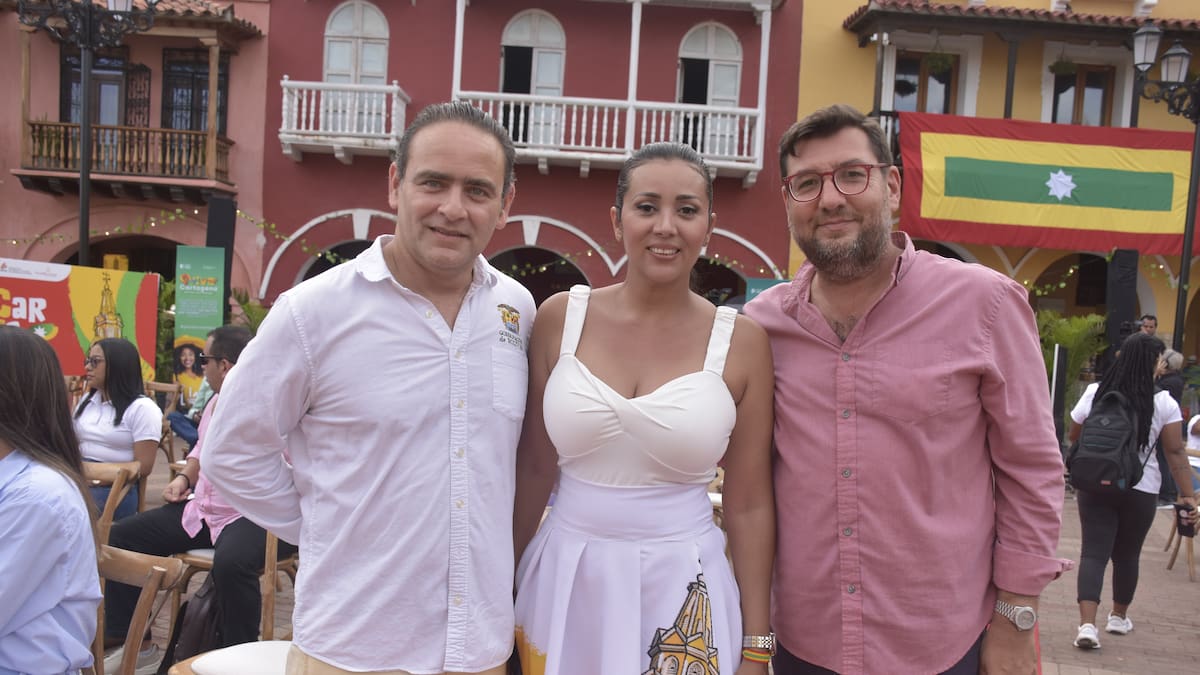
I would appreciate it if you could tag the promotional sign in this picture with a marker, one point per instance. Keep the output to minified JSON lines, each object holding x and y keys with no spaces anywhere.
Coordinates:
{"x":72,"y":307}
{"x":199,"y":308}
{"x":755,"y":286}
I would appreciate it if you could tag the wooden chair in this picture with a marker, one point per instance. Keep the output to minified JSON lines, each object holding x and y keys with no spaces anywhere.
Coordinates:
{"x":119,"y":477}
{"x":1174,"y":540}
{"x":173,"y":394}
{"x":201,"y":560}
{"x":151,"y":573}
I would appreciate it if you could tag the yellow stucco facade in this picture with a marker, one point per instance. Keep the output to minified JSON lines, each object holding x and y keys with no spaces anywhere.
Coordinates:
{"x":835,"y":69}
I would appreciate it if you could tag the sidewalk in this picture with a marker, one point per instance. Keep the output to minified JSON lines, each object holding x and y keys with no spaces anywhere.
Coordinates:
{"x":1166,"y":634}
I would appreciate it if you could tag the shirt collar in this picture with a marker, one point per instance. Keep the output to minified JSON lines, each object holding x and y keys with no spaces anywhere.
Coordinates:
{"x":12,"y":466}
{"x":373,"y":267}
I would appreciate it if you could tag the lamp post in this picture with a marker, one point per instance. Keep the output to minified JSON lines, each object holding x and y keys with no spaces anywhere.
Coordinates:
{"x":88,"y":26}
{"x":1183,"y":99}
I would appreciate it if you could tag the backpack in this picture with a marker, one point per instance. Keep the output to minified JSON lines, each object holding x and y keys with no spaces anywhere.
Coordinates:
{"x":196,"y":630}
{"x":1105,"y":458}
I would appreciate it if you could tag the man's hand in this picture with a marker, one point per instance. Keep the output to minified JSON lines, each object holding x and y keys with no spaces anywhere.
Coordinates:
{"x":177,"y":490}
{"x":1006,"y":650}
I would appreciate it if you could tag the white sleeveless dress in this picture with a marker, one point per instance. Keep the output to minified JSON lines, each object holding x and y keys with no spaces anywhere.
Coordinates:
{"x":628,"y":574}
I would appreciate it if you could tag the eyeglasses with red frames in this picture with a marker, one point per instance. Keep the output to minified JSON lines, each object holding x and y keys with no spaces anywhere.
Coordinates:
{"x":850,"y":180}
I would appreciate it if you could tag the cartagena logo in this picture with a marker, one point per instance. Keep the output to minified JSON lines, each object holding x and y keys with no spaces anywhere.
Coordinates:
{"x":511,"y":318}
{"x":198,"y":282}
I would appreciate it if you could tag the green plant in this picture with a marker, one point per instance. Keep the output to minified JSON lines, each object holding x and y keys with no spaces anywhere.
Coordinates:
{"x":1063,"y":66}
{"x":252,"y":312}
{"x":164,"y":365}
{"x":1083,"y":338}
{"x":937,"y":62}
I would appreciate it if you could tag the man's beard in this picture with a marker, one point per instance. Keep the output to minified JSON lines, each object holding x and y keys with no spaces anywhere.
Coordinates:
{"x":847,"y":260}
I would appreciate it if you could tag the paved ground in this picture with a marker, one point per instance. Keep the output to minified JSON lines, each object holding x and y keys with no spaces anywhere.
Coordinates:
{"x":1166,"y":623}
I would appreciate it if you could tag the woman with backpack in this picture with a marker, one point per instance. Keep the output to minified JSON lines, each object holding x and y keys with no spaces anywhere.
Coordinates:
{"x":1115,"y":517}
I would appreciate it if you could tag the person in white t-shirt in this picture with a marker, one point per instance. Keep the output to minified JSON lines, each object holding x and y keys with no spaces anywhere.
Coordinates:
{"x":116,"y":421}
{"x":1114,"y":526}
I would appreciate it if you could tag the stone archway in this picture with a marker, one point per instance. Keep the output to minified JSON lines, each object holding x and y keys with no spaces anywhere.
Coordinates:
{"x":542,"y":271}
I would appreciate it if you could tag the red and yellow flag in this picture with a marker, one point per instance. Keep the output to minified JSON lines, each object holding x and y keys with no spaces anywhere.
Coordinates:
{"x":1016,"y":183}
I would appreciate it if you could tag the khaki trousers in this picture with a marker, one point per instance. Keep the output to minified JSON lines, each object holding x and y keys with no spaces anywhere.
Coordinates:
{"x":299,"y":663}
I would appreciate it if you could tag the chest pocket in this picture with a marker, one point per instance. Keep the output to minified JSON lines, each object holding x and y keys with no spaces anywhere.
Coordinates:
{"x":911,"y":382}
{"x":510,"y":381}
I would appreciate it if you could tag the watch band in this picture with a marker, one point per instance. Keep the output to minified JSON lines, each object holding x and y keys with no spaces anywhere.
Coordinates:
{"x":766,"y":642}
{"x":1023,"y":618}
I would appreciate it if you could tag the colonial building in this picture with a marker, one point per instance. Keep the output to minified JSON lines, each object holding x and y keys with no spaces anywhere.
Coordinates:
{"x":1032,"y":60}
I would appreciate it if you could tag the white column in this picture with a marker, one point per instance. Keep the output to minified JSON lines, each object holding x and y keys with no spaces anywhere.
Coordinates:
{"x":460,"y":8}
{"x":635,"y":41}
{"x":764,"y":55}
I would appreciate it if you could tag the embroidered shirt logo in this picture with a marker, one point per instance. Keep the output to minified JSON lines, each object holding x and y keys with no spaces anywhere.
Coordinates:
{"x":511,"y":331}
{"x":511,"y":318}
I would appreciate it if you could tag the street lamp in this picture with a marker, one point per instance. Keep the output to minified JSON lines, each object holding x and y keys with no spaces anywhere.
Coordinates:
{"x":1183,"y":99}
{"x":88,"y":26}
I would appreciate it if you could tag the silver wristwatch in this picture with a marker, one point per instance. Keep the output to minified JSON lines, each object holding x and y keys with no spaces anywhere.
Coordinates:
{"x":1022,"y":616}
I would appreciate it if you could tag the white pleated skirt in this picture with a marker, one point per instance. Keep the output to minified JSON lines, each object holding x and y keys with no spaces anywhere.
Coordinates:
{"x":628,"y":580}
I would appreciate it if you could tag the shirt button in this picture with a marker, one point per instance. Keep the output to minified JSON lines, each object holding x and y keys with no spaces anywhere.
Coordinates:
{"x":429,"y":314}
{"x":460,"y":403}
{"x":846,"y":473}
{"x":460,"y":452}
{"x":457,"y":600}
{"x":458,"y":354}
{"x":852,"y":588}
{"x":459,"y":503}
{"x":847,"y":532}
{"x":846,"y":414}
{"x":845,"y":356}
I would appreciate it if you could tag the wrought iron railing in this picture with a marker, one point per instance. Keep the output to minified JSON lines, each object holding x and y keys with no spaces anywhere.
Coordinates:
{"x":133,"y":151}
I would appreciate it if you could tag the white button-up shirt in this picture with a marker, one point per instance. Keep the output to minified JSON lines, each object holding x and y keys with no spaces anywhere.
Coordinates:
{"x":403,"y":437}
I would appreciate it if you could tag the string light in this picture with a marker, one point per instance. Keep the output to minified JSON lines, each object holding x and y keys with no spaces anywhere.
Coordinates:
{"x":164,"y":217}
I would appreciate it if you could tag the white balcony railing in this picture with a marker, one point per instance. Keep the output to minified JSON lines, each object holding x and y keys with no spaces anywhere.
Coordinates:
{"x":342,"y":119}
{"x":589,"y":132}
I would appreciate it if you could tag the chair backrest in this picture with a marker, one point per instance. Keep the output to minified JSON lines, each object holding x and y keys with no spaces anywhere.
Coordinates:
{"x":120,"y":477}
{"x":172,"y":391}
{"x":172,"y":396}
{"x":150,"y":572}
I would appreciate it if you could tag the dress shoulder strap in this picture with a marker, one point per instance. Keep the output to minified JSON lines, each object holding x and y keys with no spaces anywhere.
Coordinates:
{"x":577,"y":302}
{"x":718,"y":341}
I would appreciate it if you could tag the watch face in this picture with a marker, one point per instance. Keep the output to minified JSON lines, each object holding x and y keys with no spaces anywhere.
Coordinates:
{"x":1025,"y":618}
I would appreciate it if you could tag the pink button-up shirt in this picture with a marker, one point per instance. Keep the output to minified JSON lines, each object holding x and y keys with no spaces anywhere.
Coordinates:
{"x":206,"y":504}
{"x":917,"y":467}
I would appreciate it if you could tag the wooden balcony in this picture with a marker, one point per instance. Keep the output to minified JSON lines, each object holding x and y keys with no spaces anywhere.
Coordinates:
{"x":587,"y":132}
{"x":135,"y":162}
{"x":344,"y":120}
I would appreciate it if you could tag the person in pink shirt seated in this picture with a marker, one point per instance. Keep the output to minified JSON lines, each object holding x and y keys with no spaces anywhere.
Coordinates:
{"x":204,"y":521}
{"x":918,"y":479}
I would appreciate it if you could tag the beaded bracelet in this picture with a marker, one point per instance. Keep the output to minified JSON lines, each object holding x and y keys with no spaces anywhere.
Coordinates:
{"x":756,"y":655}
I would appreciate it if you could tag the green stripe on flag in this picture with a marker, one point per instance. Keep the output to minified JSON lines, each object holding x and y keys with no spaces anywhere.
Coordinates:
{"x":1027,"y":183}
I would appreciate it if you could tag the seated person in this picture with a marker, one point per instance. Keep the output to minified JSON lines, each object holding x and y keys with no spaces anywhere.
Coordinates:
{"x":202,"y":522}
{"x":187,"y":425}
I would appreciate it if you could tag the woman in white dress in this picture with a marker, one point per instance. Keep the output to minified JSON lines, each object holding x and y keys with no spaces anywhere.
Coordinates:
{"x":637,"y":391}
{"x":116,"y":421}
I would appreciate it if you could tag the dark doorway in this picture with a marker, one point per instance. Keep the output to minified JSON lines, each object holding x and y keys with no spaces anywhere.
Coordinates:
{"x":718,"y":282}
{"x":145,"y":253}
{"x":340,"y":254}
{"x":543,"y":272}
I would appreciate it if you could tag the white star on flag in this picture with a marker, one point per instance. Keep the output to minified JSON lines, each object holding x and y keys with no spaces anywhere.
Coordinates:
{"x":1061,"y":184}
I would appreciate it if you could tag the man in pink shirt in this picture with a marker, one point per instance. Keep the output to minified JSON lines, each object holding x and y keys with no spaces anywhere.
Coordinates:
{"x":204,"y":521}
{"x":918,"y":481}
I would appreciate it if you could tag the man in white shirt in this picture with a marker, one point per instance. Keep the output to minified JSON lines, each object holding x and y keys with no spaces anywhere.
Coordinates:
{"x":397,"y":381}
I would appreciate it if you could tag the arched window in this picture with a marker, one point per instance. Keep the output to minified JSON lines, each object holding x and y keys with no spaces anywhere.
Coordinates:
{"x":670,"y":665}
{"x":710,"y":73}
{"x":356,"y":44}
{"x":534,"y":49}
{"x":710,"y":66}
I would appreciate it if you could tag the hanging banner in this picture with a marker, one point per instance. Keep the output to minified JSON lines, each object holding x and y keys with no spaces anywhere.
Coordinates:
{"x":1015,"y":183}
{"x":72,"y":307}
{"x":199,"y":308}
